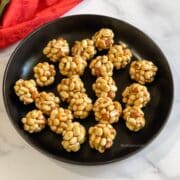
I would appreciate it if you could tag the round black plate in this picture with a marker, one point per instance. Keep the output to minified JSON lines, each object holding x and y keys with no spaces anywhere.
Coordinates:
{"x":72,"y":28}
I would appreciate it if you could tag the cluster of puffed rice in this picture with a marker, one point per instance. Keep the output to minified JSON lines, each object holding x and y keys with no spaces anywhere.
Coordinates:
{"x":136,"y":95}
{"x":70,"y":86}
{"x":56,"y":49}
{"x":101,"y":136}
{"x":26,"y":90}
{"x":34,"y":121}
{"x":119,"y":55}
{"x":103,"y":39}
{"x":44,"y":74}
{"x":46,"y":102}
{"x":73,"y":137}
{"x":105,"y":86}
{"x":84,"y":48}
{"x":80,"y":105}
{"x":134,"y":118}
{"x":143,"y":71}
{"x":101,"y":66}
{"x":71,"y":90}
{"x":106,"y":110}
{"x":59,"y":120}
{"x":69,"y":66}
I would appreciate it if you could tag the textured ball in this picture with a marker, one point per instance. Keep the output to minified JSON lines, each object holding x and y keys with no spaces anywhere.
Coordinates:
{"x":106,"y":110}
{"x":80,"y":105}
{"x":73,"y":137}
{"x":136,"y":95}
{"x":105,"y":86}
{"x":44,"y":73}
{"x":34,"y":121}
{"x":69,"y":66}
{"x":26,"y":90}
{"x":134,"y":118}
{"x":119,"y":55}
{"x":59,"y":119}
{"x":69,"y":86}
{"x":84,"y":48}
{"x":46,"y":102}
{"x":143,"y":71}
{"x":101,"y":66}
{"x":101,"y":136}
{"x":56,"y":49}
{"x":103,"y":39}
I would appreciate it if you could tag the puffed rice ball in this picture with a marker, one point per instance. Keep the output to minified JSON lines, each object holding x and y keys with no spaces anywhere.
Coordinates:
{"x":44,"y":73}
{"x":143,"y":71}
{"x":134,"y":118}
{"x":80,"y":105}
{"x":26,"y":90}
{"x":69,"y":86}
{"x":46,"y":102}
{"x":103,"y":39}
{"x":136,"y":95}
{"x":106,"y":110}
{"x":105,"y":86}
{"x":84,"y":48}
{"x":73,"y":137}
{"x":59,"y":119}
{"x":56,"y":49}
{"x":101,"y":136}
{"x":34,"y":121}
{"x":101,"y":66}
{"x":119,"y":55}
{"x":69,"y":66}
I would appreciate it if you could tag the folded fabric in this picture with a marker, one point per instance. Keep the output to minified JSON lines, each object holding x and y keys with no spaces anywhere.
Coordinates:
{"x":23,"y":16}
{"x":19,"y":11}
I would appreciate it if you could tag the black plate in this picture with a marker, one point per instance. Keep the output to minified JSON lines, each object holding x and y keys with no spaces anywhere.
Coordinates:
{"x":72,"y":28}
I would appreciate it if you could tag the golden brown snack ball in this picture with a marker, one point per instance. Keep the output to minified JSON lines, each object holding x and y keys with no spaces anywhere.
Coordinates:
{"x":80,"y":105}
{"x":105,"y":86}
{"x":34,"y":121}
{"x":69,"y":66}
{"x":56,"y":49}
{"x":73,"y":137}
{"x":143,"y":71}
{"x":59,"y":119}
{"x":134,"y":117}
{"x":46,"y":102}
{"x":119,"y":55}
{"x":101,"y":66}
{"x":69,"y":86}
{"x":26,"y":90}
{"x":103,"y":39}
{"x":84,"y":48}
{"x":136,"y":95}
{"x":106,"y":110}
{"x":101,"y":136}
{"x":44,"y":73}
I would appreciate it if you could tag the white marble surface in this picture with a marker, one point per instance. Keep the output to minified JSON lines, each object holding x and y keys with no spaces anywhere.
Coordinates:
{"x":161,"y":159}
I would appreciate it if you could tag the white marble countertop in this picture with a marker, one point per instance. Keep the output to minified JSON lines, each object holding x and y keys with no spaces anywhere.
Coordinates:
{"x":160,"y":160}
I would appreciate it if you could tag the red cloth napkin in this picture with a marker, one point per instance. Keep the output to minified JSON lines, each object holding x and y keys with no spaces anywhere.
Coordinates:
{"x":23,"y":16}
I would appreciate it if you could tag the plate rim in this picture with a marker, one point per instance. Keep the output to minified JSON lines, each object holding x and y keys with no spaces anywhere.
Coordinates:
{"x":59,"y":158}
